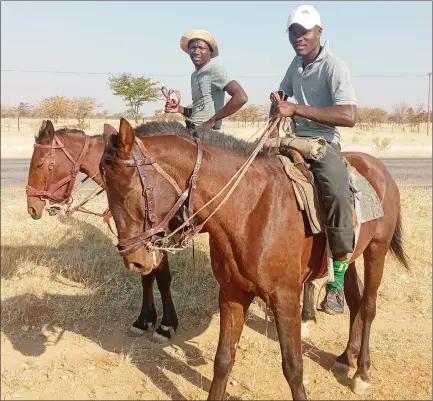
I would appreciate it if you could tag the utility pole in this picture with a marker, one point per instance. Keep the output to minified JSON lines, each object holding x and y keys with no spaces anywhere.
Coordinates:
{"x":429,"y":103}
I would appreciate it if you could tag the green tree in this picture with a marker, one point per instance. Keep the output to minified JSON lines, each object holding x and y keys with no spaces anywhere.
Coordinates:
{"x":135,"y":91}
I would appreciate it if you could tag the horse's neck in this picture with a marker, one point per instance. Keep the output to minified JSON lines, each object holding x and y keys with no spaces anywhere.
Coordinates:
{"x":217,"y":168}
{"x":90,"y":163}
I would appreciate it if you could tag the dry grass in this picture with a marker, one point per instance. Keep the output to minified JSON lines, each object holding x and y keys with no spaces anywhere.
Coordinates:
{"x":18,"y":144}
{"x":67,"y":301}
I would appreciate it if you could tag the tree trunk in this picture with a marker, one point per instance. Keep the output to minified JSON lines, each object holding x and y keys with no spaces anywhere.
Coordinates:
{"x":18,"y":123}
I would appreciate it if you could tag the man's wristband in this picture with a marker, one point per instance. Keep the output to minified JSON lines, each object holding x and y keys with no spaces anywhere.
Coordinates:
{"x":187,"y":111}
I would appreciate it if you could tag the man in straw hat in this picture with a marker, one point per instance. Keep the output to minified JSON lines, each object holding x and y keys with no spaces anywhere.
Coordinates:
{"x":209,"y":81}
{"x":320,"y":83}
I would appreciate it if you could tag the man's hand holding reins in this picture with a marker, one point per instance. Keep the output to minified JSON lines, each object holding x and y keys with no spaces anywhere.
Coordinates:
{"x":285,"y":109}
{"x":171,"y":106}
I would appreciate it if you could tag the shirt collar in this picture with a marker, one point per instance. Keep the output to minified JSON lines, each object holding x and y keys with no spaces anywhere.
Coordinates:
{"x":321,"y":56}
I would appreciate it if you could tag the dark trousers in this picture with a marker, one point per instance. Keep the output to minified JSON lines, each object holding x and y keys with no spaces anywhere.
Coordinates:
{"x":333,"y":180}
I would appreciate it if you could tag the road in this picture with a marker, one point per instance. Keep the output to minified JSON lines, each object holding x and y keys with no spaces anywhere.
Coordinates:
{"x":14,"y":172}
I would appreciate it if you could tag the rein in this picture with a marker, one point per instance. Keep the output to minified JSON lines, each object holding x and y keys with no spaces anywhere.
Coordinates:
{"x":148,"y":238}
{"x":167,"y":95}
{"x":50,"y":188}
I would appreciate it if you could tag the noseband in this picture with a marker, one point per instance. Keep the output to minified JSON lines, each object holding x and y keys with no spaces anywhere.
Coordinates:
{"x":50,"y":188}
{"x":142,"y":158}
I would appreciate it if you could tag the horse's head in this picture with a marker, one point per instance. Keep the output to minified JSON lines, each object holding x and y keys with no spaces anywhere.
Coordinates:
{"x":48,"y":166}
{"x":55,"y":165}
{"x":140,"y":198}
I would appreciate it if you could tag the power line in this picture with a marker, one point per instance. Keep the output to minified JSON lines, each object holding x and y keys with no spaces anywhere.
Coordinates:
{"x":187,"y":75}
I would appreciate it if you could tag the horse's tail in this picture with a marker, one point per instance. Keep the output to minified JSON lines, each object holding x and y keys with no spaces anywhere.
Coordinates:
{"x":397,"y":243}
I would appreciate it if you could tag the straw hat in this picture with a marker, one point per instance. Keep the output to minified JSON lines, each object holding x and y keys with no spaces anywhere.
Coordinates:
{"x":199,"y":34}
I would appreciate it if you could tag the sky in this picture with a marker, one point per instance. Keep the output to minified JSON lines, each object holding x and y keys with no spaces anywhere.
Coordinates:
{"x":375,"y":39}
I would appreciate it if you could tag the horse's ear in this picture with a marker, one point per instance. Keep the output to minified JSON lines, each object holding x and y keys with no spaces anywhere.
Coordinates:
{"x":126,"y":136}
{"x":109,"y":130}
{"x":46,"y":131}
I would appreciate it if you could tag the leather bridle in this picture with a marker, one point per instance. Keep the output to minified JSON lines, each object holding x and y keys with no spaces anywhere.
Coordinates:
{"x":141,"y":159}
{"x":49,"y":187}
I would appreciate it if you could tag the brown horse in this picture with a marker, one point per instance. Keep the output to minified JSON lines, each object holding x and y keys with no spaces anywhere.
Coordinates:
{"x":52,"y":172}
{"x":259,"y":240}
{"x":63,"y":172}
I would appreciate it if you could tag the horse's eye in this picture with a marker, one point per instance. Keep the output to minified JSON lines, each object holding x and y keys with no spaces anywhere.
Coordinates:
{"x":39,"y":165}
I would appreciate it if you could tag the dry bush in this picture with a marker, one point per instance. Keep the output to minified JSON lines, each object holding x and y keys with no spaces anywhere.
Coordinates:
{"x":81,"y":109}
{"x":381,"y":145}
{"x":54,"y":107}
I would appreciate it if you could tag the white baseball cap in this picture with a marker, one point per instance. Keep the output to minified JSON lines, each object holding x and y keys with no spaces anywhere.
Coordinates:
{"x":306,"y":15}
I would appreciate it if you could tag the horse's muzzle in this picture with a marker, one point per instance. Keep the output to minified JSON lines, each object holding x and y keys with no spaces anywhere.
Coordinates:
{"x":143,"y":261}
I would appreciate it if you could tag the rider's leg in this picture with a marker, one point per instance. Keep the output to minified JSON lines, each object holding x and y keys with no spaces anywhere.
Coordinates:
{"x":332,"y":177}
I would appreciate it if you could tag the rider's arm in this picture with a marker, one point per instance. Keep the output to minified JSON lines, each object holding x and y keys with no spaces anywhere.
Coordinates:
{"x":343,"y":112}
{"x":334,"y":116}
{"x":222,"y":81}
{"x":237,"y":100}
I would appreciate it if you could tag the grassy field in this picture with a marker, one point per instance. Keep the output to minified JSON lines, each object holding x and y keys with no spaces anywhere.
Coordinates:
{"x":67,"y":302}
{"x":384,"y":142}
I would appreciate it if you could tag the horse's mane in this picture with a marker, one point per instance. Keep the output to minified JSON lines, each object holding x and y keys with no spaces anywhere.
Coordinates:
{"x":205,"y":133}
{"x":159,"y":128}
{"x":63,"y":131}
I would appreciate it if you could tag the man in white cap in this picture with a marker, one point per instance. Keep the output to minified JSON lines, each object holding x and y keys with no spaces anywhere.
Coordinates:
{"x":209,"y":82}
{"x":320,"y":83}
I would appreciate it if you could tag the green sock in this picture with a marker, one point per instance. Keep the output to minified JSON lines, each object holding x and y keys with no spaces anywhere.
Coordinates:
{"x":340,"y":268}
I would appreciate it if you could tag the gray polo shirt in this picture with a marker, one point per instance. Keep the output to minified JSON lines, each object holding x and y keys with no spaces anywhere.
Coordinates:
{"x":207,"y":89}
{"x":325,"y":82}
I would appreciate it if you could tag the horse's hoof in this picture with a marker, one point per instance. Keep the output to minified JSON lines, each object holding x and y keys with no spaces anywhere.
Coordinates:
{"x":304,"y":330}
{"x":163,"y":334}
{"x":137,"y":331}
{"x":360,"y":387}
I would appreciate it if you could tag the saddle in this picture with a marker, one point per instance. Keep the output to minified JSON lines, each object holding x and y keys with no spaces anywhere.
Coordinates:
{"x":306,"y":190}
{"x":308,"y":198}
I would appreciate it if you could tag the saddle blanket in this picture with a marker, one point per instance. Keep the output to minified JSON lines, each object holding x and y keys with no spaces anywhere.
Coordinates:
{"x":366,"y":203}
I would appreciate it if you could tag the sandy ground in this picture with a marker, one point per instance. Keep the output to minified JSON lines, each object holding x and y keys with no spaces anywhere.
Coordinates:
{"x":67,"y":303}
{"x":18,"y":144}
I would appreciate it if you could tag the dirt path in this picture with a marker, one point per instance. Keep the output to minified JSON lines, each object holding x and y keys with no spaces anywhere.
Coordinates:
{"x":122,"y":367}
{"x":14,"y":172}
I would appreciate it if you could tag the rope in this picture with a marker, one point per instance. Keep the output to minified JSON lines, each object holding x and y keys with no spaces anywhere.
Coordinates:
{"x":167,"y":95}
{"x":81,"y":184}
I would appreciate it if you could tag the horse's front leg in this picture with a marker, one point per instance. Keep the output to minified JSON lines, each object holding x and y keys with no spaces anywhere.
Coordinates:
{"x":169,"y":321}
{"x":147,"y":318}
{"x":233,"y":303}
